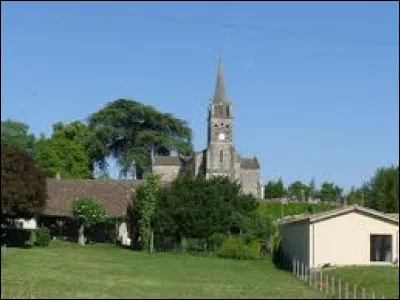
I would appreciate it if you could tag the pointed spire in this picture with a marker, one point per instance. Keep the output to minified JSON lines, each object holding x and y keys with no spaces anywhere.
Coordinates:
{"x":220,"y":92}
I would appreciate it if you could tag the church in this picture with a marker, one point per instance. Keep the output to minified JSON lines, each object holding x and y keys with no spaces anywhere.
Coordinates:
{"x":220,"y":158}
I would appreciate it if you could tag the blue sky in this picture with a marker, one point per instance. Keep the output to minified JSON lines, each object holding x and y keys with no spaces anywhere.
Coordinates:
{"x":314,"y":85}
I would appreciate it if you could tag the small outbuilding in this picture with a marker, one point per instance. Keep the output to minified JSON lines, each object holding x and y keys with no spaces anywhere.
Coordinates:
{"x":350,"y":235}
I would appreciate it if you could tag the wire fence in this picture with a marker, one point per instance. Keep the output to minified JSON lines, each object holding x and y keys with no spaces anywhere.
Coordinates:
{"x":333,"y":287}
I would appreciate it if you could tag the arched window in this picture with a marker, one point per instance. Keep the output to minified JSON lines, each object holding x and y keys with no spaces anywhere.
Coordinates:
{"x":221,"y":155}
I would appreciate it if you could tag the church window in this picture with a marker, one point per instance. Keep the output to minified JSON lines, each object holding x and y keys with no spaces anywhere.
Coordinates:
{"x":215,"y":125}
{"x":221,"y":155}
{"x":227,"y":111}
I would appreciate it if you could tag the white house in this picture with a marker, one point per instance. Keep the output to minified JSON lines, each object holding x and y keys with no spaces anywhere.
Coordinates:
{"x":350,"y":235}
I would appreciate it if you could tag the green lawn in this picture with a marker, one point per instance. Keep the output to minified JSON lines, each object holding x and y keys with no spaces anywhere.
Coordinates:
{"x":107,"y":271}
{"x":383,"y":280}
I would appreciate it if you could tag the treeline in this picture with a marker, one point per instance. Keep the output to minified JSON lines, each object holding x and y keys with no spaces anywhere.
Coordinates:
{"x":301,"y":191}
{"x":381,"y":192}
{"x":124,"y":129}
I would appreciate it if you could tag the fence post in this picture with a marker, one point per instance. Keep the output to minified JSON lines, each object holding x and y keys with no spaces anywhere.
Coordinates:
{"x":294,"y":266}
{"x":340,"y":289}
{"x":355,"y":292}
{"x":327,"y":285}
{"x":363,"y":293}
{"x":346,"y":291}
{"x":373,"y":294}
{"x":302,"y":271}
{"x":320,"y":280}
{"x":333,"y":285}
{"x":298,"y":267}
{"x":310,"y":272}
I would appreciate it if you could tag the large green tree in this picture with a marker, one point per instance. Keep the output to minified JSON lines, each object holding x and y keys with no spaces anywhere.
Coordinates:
{"x":274,"y":189}
{"x":72,"y":151}
{"x":384,"y":190}
{"x":299,"y":190}
{"x":23,"y":184}
{"x":129,"y":130}
{"x":17,"y":134}
{"x":330,"y":192}
{"x":196,"y":207}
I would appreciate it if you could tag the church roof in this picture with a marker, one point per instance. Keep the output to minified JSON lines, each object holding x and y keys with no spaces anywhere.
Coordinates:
{"x":249,"y":163}
{"x":220,"y":91}
{"x":171,"y":160}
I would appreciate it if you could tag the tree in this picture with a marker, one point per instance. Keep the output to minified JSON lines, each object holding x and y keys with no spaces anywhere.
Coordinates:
{"x":23,"y":184}
{"x":129,"y":130}
{"x":144,"y":203}
{"x":313,"y":191}
{"x":16,"y":134}
{"x":70,"y":151}
{"x":299,"y":190}
{"x":197,"y":208}
{"x":274,"y":189}
{"x":80,"y":134}
{"x":87,"y":212}
{"x":330,"y":192}
{"x":384,"y":190}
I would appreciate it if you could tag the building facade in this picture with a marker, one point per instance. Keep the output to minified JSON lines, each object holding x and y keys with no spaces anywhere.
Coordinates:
{"x":220,"y":158}
{"x":352,"y":235}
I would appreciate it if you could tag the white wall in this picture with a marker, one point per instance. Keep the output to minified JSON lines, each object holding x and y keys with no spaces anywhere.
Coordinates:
{"x":25,"y":223}
{"x":345,"y":239}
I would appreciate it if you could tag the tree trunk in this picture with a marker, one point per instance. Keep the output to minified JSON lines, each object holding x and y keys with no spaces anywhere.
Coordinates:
{"x":81,"y":238}
{"x":151,"y":241}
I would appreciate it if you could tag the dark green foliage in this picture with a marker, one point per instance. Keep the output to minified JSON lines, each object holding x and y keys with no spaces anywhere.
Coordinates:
{"x":384,"y":190}
{"x":237,"y":247}
{"x":23,"y":184}
{"x":42,"y":237}
{"x":274,"y":189}
{"x":127,"y":129}
{"x":380,"y":193}
{"x":330,"y":192}
{"x":215,"y":241}
{"x":299,"y":190}
{"x":16,"y":237}
{"x":197,"y":208}
{"x":16,"y":134}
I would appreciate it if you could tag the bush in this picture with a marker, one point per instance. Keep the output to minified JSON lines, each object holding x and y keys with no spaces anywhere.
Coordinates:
{"x":42,"y":237}
{"x":215,"y":241}
{"x":16,"y":237}
{"x":237,"y":248}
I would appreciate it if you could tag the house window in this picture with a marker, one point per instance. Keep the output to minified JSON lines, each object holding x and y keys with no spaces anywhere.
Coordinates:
{"x":381,"y":247}
{"x":221,"y":155}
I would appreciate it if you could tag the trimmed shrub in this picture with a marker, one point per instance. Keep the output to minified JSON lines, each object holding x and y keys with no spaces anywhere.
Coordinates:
{"x":215,"y":241}
{"x":237,"y":248}
{"x":42,"y":237}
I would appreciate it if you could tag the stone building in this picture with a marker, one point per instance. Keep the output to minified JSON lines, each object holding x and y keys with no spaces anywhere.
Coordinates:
{"x":220,"y":158}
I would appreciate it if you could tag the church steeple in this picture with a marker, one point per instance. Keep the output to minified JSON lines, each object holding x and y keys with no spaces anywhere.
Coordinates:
{"x":220,"y":92}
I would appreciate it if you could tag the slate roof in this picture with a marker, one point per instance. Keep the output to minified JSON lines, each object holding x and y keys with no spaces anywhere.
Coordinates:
{"x":249,"y":163}
{"x":114,"y":195}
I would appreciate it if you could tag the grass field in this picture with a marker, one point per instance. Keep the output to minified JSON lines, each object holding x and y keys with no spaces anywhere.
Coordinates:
{"x":107,"y":271}
{"x":383,"y":280}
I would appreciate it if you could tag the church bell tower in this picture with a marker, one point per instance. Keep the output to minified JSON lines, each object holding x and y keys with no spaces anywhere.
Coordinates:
{"x":220,"y":149}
